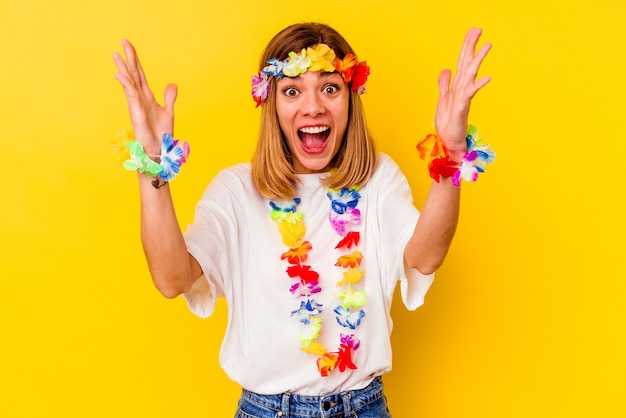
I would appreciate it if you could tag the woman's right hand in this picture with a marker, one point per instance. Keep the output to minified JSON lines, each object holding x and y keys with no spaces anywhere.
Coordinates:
{"x":149,"y":119}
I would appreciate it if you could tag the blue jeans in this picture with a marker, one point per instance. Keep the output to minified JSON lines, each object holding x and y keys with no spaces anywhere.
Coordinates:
{"x":369,"y":402}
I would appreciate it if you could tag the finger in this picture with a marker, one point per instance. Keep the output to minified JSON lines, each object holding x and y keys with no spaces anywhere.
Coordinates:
{"x":132,"y":97}
{"x":124,"y":81}
{"x":471,"y":91}
{"x":142,"y":77}
{"x":169,"y":97}
{"x":145,"y":88}
{"x":464,"y":81}
{"x":478,"y":58}
{"x":132,"y":63}
{"x":474,"y":66}
{"x":468,"y":48}
{"x":120,"y":63}
{"x":460,"y":65}
{"x":444,"y":83}
{"x":481,"y":83}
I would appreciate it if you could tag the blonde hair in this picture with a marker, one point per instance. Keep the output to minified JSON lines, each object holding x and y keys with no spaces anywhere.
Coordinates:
{"x":272,"y":166}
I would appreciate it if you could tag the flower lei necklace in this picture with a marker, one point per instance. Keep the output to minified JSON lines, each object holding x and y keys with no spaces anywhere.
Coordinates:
{"x":343,"y":215}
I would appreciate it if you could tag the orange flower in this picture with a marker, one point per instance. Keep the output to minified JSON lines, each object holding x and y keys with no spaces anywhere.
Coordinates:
{"x":327,"y":363}
{"x":431,"y":148}
{"x":298,"y":254}
{"x":346,"y":66}
{"x":351,"y":260}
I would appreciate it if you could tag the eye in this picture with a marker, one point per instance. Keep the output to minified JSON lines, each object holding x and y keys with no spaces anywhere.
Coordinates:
{"x":330,"y":89}
{"x":291,"y":92}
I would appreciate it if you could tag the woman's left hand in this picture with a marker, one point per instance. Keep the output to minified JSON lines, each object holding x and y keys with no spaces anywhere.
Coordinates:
{"x":455,"y":98}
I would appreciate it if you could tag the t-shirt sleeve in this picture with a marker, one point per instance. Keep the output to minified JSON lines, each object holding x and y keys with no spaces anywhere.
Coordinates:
{"x":209,"y":240}
{"x":399,"y":217}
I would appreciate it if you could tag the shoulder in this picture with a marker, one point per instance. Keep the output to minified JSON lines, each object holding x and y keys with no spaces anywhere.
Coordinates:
{"x":239,"y":174}
{"x":238,"y":171}
{"x":233,"y":180}
{"x":387,"y":179}
{"x":386,"y":170}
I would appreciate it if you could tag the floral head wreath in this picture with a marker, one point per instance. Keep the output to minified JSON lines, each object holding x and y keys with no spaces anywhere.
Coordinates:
{"x":320,"y":58}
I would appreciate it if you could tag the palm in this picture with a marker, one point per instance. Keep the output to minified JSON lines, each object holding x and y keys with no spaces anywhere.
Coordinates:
{"x":455,"y":98}
{"x":150,"y":120}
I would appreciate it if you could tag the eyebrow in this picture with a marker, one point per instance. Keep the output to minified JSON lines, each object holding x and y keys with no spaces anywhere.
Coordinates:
{"x":322,"y":74}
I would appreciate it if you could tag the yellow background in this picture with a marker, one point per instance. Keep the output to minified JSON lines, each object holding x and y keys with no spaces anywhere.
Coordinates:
{"x":525,"y":319}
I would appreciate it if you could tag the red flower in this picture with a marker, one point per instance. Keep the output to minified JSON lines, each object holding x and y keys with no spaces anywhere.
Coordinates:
{"x":259,"y":101}
{"x":352,"y":238}
{"x":359,"y":76}
{"x":442,"y":167}
{"x":304,"y":272}
{"x":344,"y":359}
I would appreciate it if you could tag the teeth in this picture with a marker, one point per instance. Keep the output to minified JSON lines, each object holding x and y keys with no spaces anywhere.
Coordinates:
{"x":314,"y":129}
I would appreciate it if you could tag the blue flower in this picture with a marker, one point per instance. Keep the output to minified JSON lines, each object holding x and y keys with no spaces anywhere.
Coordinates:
{"x":306,"y":310}
{"x":173,"y":155}
{"x":347,"y":319}
{"x":285,"y":205}
{"x":274,"y":68}
{"x":484,"y":155}
{"x":344,"y":199}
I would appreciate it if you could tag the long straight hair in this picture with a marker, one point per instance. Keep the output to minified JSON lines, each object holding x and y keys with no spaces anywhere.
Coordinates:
{"x":272,"y":165}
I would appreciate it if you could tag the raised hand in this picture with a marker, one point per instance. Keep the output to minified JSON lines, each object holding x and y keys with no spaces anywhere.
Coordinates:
{"x":150,"y":120}
{"x":455,"y":98}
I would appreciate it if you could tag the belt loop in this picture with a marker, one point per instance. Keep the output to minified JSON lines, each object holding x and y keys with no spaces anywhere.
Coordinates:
{"x":347,"y":405}
{"x":285,"y":405}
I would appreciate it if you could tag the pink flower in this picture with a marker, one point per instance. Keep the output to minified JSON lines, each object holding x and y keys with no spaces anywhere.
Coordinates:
{"x":260,"y":88}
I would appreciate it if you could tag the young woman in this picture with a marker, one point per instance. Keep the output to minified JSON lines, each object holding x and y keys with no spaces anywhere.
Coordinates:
{"x":308,"y":241}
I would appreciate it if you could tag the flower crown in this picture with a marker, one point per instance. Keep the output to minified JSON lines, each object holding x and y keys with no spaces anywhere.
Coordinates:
{"x":320,"y":58}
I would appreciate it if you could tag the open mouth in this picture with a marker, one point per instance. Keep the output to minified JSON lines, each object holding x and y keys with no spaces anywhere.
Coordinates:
{"x":314,"y":138}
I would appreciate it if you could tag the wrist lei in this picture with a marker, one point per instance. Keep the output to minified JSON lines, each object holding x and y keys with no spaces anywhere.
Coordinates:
{"x":434,"y":152}
{"x":342,"y":217}
{"x":174,"y":154}
{"x":320,"y":58}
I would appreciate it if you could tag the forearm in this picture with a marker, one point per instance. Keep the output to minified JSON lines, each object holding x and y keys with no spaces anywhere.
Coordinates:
{"x":162,"y":239}
{"x":435,"y":229}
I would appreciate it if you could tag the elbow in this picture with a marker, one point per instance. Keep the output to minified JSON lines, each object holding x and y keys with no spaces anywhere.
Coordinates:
{"x":171,"y":290}
{"x":425,"y":264}
{"x":427,"y":267}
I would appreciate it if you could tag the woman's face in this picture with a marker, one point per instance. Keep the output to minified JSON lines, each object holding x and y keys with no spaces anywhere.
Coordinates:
{"x":312,"y":112}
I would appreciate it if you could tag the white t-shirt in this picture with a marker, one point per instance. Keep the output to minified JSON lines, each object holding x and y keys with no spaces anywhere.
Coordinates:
{"x":239,"y":247}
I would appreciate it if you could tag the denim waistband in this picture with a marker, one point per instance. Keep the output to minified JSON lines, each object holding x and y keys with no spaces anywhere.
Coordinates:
{"x":334,"y":405}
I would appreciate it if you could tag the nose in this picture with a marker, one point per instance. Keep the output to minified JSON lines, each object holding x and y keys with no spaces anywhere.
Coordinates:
{"x":314,"y":105}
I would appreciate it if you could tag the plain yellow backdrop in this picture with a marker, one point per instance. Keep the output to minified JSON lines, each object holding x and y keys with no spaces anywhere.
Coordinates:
{"x":525,"y":319}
